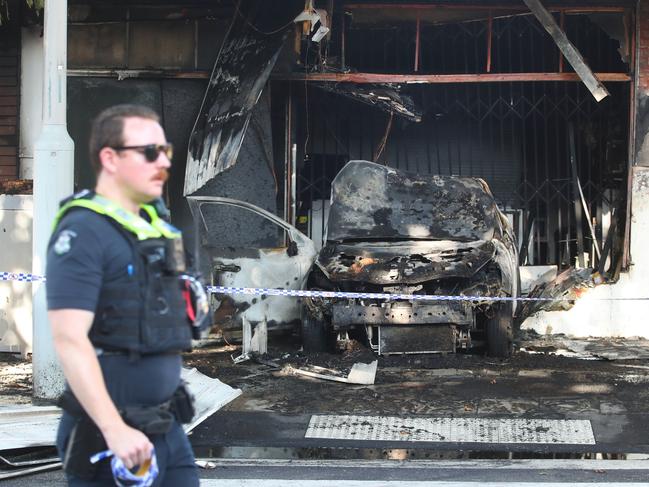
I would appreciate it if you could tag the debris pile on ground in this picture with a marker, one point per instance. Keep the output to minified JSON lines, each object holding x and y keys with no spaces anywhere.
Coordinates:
{"x":609,"y":348}
{"x":16,"y":463}
{"x":360,"y":373}
{"x":15,"y":380}
{"x":558,"y":294}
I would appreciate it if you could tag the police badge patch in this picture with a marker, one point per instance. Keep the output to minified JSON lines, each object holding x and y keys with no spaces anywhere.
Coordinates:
{"x":64,"y":242}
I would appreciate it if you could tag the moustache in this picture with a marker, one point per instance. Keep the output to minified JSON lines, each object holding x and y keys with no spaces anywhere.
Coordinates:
{"x":162,"y":175}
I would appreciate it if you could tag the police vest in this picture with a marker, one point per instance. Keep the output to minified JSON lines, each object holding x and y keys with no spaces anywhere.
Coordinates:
{"x":145,"y":314}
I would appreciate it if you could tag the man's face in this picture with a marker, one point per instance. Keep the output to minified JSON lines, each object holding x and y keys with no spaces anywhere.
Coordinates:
{"x":141,"y":180}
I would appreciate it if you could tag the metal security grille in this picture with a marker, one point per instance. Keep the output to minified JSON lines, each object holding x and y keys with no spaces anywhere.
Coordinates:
{"x":513,"y":135}
{"x":518,"y":44}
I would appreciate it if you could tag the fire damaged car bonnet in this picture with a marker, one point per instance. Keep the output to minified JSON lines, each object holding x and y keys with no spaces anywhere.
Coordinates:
{"x":386,"y":226}
{"x":374,"y":202}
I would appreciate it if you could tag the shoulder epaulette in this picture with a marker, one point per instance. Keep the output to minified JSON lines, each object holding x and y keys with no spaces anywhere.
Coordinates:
{"x":83,"y":194}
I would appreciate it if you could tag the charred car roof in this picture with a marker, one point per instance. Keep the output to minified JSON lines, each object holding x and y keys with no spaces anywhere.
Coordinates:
{"x":374,"y":202}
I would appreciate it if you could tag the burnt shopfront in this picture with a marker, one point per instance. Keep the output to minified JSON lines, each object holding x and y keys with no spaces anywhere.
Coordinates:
{"x":479,"y":91}
{"x":266,"y":103}
{"x":446,"y":88}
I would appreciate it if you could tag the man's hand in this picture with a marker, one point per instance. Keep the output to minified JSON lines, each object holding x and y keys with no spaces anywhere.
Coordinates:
{"x":131,"y":446}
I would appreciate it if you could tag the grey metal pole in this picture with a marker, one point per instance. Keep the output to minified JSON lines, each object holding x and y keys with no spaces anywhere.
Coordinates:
{"x":53,"y":180}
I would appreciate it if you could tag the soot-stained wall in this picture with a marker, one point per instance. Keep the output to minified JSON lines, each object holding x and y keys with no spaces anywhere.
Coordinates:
{"x":642,"y":95}
{"x":176,"y":101}
{"x":251,"y":179}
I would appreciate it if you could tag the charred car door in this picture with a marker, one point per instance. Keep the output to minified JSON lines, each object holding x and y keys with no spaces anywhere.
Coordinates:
{"x":242,"y":245}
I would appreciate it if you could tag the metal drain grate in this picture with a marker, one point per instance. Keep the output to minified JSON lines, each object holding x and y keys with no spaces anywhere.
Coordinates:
{"x":451,"y":430}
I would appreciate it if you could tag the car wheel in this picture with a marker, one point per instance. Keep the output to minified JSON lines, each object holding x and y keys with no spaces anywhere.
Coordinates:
{"x":315,"y":337}
{"x":500,"y":331}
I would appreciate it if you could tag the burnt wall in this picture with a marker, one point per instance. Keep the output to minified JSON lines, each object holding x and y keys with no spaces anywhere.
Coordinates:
{"x":180,"y":42}
{"x":9,"y":100}
{"x":251,"y":179}
{"x":177,"y":102}
{"x":176,"y":42}
{"x":642,"y":95}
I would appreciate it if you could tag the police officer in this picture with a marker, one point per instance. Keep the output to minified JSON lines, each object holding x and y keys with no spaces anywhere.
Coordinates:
{"x":117,"y":312}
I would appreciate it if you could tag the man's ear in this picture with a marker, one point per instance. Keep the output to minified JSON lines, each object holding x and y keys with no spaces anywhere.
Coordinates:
{"x":108,"y":159}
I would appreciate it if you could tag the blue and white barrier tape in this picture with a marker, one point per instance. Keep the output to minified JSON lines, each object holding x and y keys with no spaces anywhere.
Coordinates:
{"x":20,"y":276}
{"x":351,"y":295}
{"x":302,"y":293}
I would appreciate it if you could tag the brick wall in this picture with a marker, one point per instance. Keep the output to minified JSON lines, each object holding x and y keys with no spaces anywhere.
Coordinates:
{"x":9,"y":98}
{"x":643,"y":60}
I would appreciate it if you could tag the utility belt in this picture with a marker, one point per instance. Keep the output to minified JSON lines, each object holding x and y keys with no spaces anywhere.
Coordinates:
{"x":131,"y":355}
{"x":85,"y":438}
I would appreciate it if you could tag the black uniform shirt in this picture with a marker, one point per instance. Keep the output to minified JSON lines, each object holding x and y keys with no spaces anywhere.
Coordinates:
{"x":85,"y":251}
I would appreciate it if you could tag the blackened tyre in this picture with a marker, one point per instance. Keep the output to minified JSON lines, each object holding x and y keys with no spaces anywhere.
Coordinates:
{"x":315,"y":337}
{"x":500,"y":331}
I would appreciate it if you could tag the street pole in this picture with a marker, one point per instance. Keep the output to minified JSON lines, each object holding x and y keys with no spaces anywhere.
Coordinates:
{"x":53,"y":180}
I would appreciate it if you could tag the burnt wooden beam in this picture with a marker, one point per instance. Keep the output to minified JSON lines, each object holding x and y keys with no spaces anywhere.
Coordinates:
{"x":563,"y":26}
{"x":417,"y":45}
{"x":441,"y":78}
{"x":594,"y":85}
{"x":477,"y":6}
{"x":342,"y":40}
{"x":138,"y":73}
{"x":489,"y":40}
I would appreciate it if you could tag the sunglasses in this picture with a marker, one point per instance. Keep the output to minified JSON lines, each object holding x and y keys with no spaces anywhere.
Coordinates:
{"x":151,"y":151}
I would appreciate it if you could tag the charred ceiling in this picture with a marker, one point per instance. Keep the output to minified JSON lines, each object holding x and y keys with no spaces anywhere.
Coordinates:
{"x":489,"y":44}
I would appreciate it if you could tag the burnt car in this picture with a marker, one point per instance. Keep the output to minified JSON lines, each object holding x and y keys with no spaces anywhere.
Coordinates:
{"x":393,"y":232}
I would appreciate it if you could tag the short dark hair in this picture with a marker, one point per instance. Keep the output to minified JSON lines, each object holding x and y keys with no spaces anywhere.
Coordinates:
{"x":108,"y":127}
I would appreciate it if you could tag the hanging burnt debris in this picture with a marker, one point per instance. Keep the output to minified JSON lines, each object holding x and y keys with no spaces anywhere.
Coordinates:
{"x":386,"y":97}
{"x":244,"y":63}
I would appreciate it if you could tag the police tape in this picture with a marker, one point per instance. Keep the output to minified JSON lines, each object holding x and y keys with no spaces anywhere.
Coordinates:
{"x":20,"y":276}
{"x":299,"y":293}
{"x":303,"y":293}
